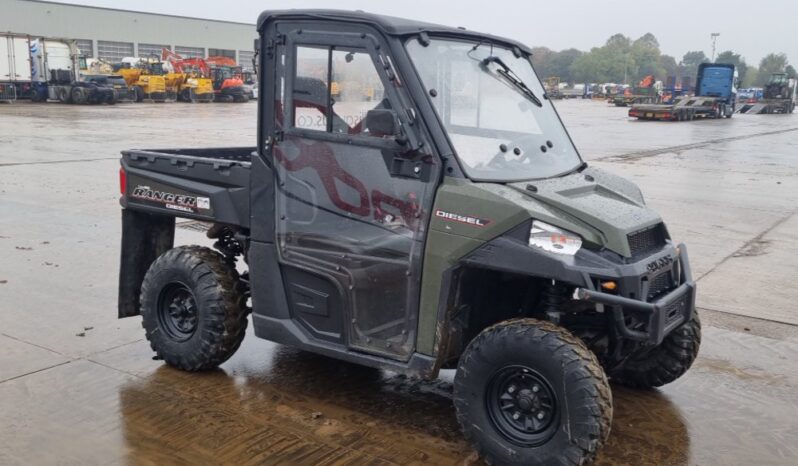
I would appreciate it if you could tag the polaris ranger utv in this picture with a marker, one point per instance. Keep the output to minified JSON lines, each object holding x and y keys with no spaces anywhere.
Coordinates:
{"x":447,"y":222}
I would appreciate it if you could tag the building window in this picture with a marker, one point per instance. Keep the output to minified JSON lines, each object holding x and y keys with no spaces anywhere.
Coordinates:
{"x":190,"y":52}
{"x":245,"y":60}
{"x":222,"y":53}
{"x":86,"y":47}
{"x":114,"y":52}
{"x":148,"y":50}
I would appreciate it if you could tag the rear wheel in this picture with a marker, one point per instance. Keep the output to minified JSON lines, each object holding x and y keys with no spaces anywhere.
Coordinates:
{"x":529,"y":392}
{"x":193,"y":308}
{"x":664,"y":363}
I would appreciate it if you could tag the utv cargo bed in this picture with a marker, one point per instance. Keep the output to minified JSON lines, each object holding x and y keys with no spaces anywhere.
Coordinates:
{"x":203,"y":184}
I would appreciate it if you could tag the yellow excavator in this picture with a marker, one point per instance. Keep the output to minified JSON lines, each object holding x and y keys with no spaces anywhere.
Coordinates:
{"x":191,"y":77}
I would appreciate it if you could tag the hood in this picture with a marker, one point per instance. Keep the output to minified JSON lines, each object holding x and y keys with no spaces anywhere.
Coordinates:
{"x":602,"y":207}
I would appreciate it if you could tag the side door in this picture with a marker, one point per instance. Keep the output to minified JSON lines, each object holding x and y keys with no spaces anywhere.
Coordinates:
{"x":6,"y":65}
{"x":22,"y":71}
{"x":352,"y":201}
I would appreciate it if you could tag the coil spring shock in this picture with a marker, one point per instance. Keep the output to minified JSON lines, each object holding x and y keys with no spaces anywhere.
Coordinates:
{"x":553,"y":296}
{"x":226,"y":243}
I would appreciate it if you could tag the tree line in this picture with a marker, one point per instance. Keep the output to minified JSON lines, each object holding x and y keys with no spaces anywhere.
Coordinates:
{"x":623,"y":60}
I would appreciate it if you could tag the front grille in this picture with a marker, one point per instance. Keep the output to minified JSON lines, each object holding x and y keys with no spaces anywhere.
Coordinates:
{"x":647,"y":241}
{"x":659,"y":285}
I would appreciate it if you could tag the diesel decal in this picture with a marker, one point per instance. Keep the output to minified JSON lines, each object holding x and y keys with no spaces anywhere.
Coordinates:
{"x":474,"y":221}
{"x":181,"y":202}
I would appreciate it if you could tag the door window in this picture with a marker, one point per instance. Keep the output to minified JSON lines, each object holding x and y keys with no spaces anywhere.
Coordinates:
{"x":334,"y":89}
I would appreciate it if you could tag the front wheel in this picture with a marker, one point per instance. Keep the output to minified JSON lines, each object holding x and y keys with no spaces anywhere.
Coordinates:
{"x":664,"y":363}
{"x":529,"y":392}
{"x":193,"y":308}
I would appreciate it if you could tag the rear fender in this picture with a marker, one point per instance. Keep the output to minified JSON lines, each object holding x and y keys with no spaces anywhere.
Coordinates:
{"x":144,"y":237}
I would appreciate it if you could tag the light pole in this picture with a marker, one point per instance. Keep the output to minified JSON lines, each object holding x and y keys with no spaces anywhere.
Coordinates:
{"x":714,"y":37}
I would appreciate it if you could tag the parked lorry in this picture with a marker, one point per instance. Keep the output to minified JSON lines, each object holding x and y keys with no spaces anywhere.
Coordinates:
{"x":401,"y":234}
{"x":778,"y":96}
{"x":715,"y":97}
{"x":56,"y":75}
{"x":124,"y":93}
{"x":574,"y":91}
{"x":15,"y":67}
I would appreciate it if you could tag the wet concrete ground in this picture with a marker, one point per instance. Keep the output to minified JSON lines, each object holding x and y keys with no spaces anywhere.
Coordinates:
{"x":78,"y":386}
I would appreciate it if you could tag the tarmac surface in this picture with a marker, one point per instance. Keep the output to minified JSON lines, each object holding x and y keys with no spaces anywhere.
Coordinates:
{"x":78,"y":386}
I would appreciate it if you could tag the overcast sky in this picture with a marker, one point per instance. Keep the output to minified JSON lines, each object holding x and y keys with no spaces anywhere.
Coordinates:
{"x":680,"y":25}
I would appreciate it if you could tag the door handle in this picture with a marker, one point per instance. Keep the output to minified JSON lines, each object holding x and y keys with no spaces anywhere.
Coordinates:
{"x":407,"y":168}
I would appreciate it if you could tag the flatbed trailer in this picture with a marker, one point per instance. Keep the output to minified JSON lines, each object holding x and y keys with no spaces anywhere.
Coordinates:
{"x":768,"y":107}
{"x":779,"y":96}
{"x":716,"y":97}
{"x":625,"y":100}
{"x":683,"y":109}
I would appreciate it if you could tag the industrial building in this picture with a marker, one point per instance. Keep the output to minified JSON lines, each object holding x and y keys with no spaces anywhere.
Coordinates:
{"x":111,"y":34}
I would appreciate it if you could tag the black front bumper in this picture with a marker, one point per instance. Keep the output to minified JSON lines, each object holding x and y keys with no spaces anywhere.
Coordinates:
{"x":660,"y":316}
{"x":639,"y":309}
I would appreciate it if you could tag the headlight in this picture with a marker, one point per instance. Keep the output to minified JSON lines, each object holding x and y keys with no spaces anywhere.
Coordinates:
{"x":553,"y":239}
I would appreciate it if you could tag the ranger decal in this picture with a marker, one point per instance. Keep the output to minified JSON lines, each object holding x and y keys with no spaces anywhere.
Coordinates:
{"x":181,"y":202}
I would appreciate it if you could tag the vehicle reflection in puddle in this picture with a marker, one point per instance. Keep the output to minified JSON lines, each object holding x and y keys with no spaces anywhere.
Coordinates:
{"x":273,"y":404}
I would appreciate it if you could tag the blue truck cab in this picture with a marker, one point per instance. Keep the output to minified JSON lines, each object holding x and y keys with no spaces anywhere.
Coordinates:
{"x":717,"y":80}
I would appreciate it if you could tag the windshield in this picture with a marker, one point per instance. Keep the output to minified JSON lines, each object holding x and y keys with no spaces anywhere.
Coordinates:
{"x":491,"y":113}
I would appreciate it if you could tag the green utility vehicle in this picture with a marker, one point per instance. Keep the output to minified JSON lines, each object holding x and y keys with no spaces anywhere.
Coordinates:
{"x":443,"y":220}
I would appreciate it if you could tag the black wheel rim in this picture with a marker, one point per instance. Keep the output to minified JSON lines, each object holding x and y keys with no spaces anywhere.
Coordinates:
{"x":177,"y":312}
{"x":522,"y":406}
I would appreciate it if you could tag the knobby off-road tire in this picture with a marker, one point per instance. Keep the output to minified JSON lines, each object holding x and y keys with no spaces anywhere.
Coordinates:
{"x":529,"y":392}
{"x":193,"y":308}
{"x":665,"y":363}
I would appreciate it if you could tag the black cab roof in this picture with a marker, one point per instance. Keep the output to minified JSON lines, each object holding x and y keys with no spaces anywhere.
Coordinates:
{"x":390,"y":25}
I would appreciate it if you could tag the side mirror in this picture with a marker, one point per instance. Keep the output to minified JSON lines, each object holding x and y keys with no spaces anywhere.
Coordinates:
{"x":382,"y":122}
